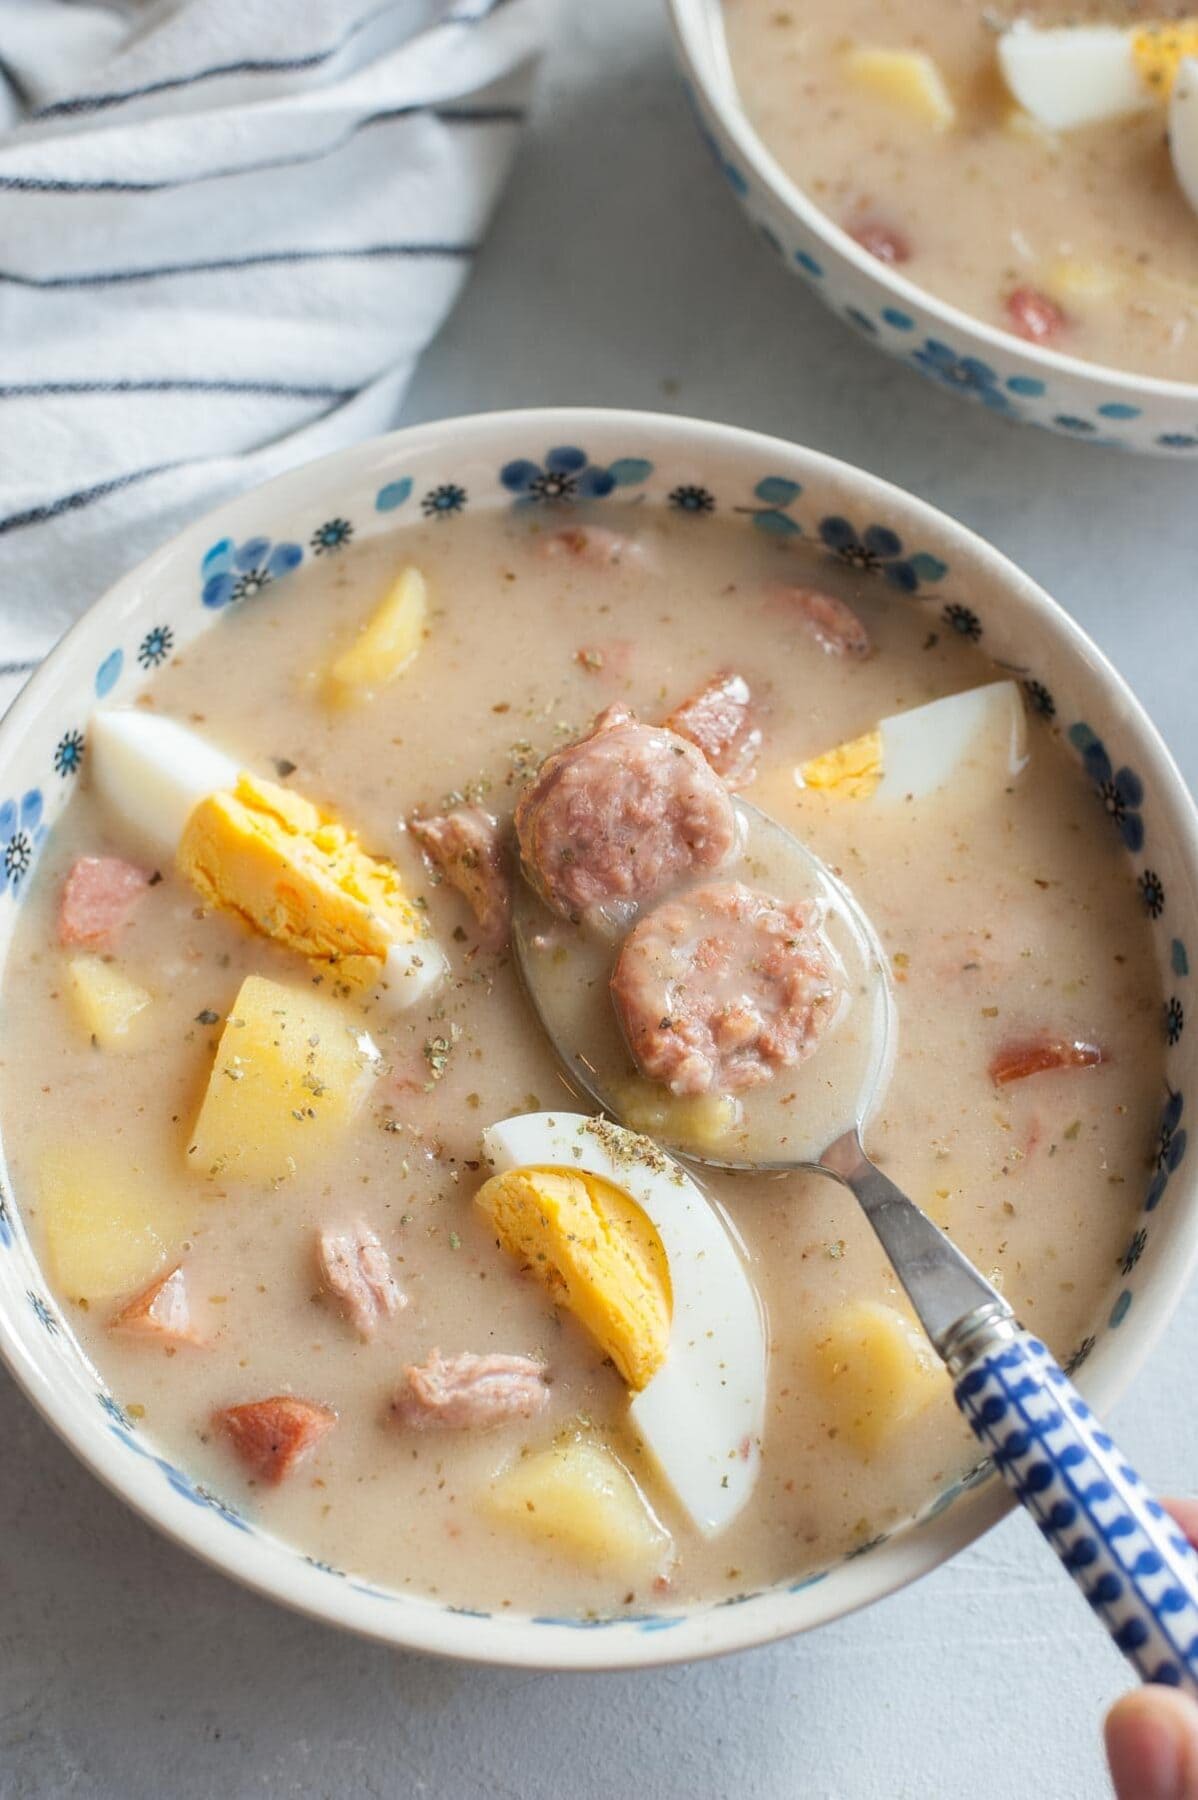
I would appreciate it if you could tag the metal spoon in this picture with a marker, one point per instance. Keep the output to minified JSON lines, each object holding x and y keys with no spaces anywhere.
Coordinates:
{"x":1128,"y":1557}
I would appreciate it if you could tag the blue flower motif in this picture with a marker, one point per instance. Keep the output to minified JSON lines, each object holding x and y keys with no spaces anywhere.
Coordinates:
{"x":441,"y":502}
{"x":156,"y":646}
{"x":68,"y":753}
{"x":333,"y":535}
{"x":1152,"y":892}
{"x":567,"y":474}
{"x":1121,"y":790}
{"x":1170,"y":1150}
{"x":878,"y":550}
{"x":778,"y":493}
{"x":1175,"y":1021}
{"x":115,"y":1411}
{"x":6,"y":1230}
{"x":1039,"y":698}
{"x":965,"y":373}
{"x":692,"y":499}
{"x":233,"y":572}
{"x":44,"y":1314}
{"x":21,"y":834}
{"x":1134,"y":1251}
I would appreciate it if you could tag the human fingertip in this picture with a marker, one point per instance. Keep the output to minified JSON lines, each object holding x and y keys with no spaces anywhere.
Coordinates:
{"x":1152,"y":1745}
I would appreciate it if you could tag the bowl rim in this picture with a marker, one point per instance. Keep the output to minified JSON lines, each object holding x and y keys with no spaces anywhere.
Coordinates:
{"x":518,"y":1641}
{"x":689,"y":18}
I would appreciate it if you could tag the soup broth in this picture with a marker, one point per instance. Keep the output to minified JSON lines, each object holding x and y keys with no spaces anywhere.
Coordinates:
{"x":1005,"y":907}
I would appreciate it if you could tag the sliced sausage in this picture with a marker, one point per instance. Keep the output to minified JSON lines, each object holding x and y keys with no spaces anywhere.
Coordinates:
{"x":162,"y":1311}
{"x":464,"y":846}
{"x":620,"y":815}
{"x":719,"y":989}
{"x":1037,"y":1056}
{"x":469,"y":1393}
{"x":273,"y":1436}
{"x":719,"y":721}
{"x":832,"y":623}
{"x":356,"y":1270}
{"x":99,"y":896}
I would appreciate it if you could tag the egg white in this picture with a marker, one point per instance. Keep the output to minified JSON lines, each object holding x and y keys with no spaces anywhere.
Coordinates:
{"x":702,"y":1414}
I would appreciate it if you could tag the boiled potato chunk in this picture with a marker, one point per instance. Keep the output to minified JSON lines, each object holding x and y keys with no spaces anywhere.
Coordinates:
{"x":389,"y":641}
{"x":106,"y":1229}
{"x":106,"y":1002}
{"x":705,"y":1121}
{"x":290,"y":1072}
{"x":908,"y":79}
{"x":580,"y":1499}
{"x":876,"y":1370}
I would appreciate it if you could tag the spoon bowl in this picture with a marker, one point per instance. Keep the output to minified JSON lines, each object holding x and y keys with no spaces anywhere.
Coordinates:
{"x":565,"y":966}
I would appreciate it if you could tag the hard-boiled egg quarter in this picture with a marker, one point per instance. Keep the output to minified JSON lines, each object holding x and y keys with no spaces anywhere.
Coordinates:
{"x":1068,"y":76}
{"x":689,"y":1338}
{"x":980,"y":735}
{"x":261,"y":851}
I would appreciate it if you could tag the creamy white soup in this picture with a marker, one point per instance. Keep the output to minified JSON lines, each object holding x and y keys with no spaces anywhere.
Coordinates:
{"x":1006,"y":157}
{"x":253,"y":1176}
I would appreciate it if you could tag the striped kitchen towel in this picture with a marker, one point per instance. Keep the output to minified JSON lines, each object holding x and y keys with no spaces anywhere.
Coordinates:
{"x":227,"y":230}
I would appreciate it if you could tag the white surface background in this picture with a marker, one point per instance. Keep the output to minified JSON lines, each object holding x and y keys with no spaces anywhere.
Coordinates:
{"x":621,"y":273}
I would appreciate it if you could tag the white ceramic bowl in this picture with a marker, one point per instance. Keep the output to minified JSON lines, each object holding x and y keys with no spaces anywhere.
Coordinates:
{"x":1019,"y":380}
{"x":550,"y":459}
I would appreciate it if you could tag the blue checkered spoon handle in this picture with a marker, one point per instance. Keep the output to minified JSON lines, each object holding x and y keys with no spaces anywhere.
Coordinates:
{"x":1126,"y":1554}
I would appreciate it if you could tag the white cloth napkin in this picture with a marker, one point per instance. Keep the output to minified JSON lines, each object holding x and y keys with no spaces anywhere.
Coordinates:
{"x":227,"y":230}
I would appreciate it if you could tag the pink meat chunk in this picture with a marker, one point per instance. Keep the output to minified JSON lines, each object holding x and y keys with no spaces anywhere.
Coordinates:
{"x":881,"y":240}
{"x":470,"y":1393}
{"x":99,"y":895}
{"x":594,"y":545}
{"x":719,"y":721}
{"x":273,"y":1436}
{"x":721,"y":988}
{"x":1034,"y":316}
{"x":465,"y":848}
{"x":621,"y":814}
{"x":832,"y":623}
{"x":162,"y":1312}
{"x":356,"y":1270}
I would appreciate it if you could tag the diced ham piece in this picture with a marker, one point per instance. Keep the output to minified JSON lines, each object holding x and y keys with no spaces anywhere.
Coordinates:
{"x":882,"y":241}
{"x":470,"y":1393}
{"x":1038,"y":1056}
{"x":356,"y":1269}
{"x":621,"y":814}
{"x":594,"y":545}
{"x":465,"y":847}
{"x":719,"y":989}
{"x":162,"y":1312}
{"x":99,"y":896}
{"x":829,"y":620}
{"x":1034,"y":316}
{"x":719,"y":721}
{"x":273,"y":1436}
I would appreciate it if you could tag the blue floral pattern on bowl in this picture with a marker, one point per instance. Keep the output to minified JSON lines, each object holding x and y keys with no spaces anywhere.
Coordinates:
{"x":965,"y":374}
{"x":21,"y":835}
{"x":879,"y":550}
{"x":234,"y":572}
{"x":566,"y":474}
